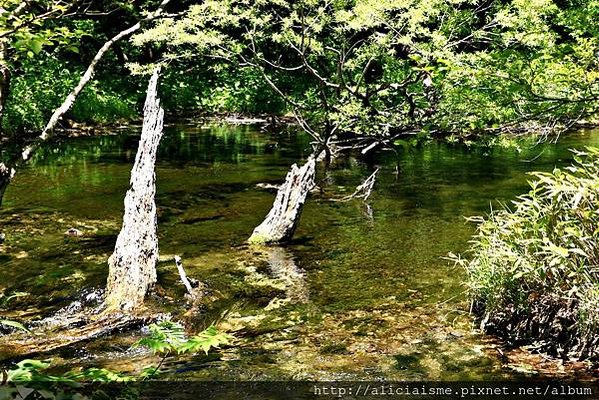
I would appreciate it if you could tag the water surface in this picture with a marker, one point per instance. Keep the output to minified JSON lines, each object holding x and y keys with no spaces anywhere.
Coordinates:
{"x":363,"y":292}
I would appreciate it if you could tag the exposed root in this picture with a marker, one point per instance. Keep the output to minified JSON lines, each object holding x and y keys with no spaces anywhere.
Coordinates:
{"x":550,"y":324}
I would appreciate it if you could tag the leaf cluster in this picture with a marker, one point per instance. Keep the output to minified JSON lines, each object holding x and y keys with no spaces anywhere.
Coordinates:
{"x":169,"y":337}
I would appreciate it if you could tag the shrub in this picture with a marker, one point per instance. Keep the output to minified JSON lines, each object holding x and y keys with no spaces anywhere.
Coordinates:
{"x":213,"y":89}
{"x":533,"y":270}
{"x":42,"y":86}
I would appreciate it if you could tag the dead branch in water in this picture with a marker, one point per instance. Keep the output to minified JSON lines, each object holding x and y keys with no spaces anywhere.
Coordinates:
{"x":363,"y":191}
{"x":189,"y":285}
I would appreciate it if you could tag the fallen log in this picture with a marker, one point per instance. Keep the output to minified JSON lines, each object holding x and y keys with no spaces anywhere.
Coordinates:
{"x":282,"y":220}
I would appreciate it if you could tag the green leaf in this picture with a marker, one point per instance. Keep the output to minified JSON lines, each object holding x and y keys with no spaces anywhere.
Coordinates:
{"x":206,"y":340}
{"x":35,"y":45}
{"x":13,"y":324}
{"x":563,"y":252}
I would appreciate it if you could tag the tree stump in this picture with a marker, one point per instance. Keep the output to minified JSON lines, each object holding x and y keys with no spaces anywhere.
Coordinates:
{"x":132,"y":266}
{"x":283,"y":218}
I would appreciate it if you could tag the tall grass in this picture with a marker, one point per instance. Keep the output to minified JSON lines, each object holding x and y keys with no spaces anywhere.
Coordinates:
{"x":533,"y":268}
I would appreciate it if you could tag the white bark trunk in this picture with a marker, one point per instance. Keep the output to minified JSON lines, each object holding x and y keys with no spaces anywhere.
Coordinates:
{"x":282,"y":220}
{"x":132,"y":266}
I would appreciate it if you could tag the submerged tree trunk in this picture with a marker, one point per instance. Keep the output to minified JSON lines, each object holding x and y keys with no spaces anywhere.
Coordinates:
{"x":133,"y":264}
{"x":282,"y":220}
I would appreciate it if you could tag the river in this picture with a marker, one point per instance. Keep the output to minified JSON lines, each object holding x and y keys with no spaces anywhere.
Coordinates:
{"x":363,"y":292}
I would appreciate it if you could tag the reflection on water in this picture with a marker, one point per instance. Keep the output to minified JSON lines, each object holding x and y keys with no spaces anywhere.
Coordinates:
{"x":282,"y":266}
{"x":363,"y":292}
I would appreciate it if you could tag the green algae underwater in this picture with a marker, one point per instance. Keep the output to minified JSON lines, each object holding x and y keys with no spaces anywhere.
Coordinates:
{"x":363,"y":291}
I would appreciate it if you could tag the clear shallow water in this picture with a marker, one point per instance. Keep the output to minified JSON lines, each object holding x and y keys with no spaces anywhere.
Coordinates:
{"x":361,"y":293}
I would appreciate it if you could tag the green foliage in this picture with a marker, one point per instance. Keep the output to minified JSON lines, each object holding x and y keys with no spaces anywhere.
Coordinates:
{"x":214,"y":89}
{"x":13,"y":324}
{"x":545,"y":247}
{"x":27,"y":371}
{"x":166,"y":338}
{"x":45,"y":82}
{"x":4,"y":299}
{"x":366,"y":68}
{"x":169,"y":337}
{"x":27,"y":28}
{"x":102,"y":375}
{"x":33,"y":378}
{"x":205,"y":340}
{"x":381,"y":68}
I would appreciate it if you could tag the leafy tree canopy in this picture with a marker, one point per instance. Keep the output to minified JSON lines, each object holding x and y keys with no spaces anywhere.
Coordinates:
{"x":383,"y":69}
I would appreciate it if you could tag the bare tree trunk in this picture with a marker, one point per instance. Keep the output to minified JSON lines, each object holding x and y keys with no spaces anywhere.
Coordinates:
{"x":282,"y":220}
{"x":6,"y":174}
{"x":4,"y":79}
{"x":132,"y":266}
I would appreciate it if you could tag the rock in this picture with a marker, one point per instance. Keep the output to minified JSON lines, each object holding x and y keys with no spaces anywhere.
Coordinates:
{"x":268,"y":186}
{"x":74,"y":232}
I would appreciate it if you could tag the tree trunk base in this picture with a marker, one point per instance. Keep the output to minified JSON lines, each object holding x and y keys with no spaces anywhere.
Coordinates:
{"x":132,"y":266}
{"x":80,"y":328}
